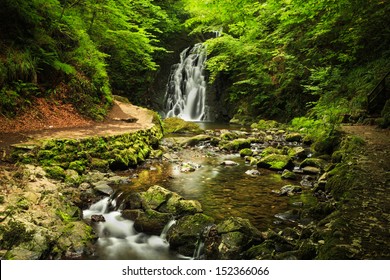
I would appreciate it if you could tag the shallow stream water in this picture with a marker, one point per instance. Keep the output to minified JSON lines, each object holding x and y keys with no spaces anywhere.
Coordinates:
{"x":223,"y":191}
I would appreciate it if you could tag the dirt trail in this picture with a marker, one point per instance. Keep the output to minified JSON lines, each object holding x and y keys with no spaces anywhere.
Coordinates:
{"x":368,"y":214}
{"x":123,"y":117}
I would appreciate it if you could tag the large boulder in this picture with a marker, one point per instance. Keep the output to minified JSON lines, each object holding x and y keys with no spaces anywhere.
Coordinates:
{"x":230,"y":238}
{"x":151,"y":222}
{"x":276,"y":162}
{"x":184,"y":235}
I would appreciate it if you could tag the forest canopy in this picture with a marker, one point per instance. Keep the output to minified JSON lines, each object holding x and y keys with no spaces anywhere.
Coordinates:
{"x":279,"y":58}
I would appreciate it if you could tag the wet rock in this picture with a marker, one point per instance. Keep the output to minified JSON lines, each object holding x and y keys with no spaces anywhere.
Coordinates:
{"x":97,"y":218}
{"x":307,"y":181}
{"x":131,"y":214}
{"x":183,"y":236}
{"x":253,"y":172}
{"x":193,"y":141}
{"x":103,"y":187}
{"x":293,"y":137}
{"x":311,"y":170}
{"x":151,"y":222}
{"x":235,"y":236}
{"x":154,"y":197}
{"x":237,"y":144}
{"x":229,"y":163}
{"x":171,"y":157}
{"x":178,"y":206}
{"x":297,"y":152}
{"x":133,"y":201}
{"x":323,"y":180}
{"x":246,"y":152}
{"x":189,"y":167}
{"x":276,"y":162}
{"x":289,"y":175}
{"x":290,"y":215}
{"x":290,"y":190}
{"x":314,"y":162}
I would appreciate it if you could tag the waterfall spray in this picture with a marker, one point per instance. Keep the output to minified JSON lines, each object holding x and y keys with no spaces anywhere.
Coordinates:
{"x":186,"y":90}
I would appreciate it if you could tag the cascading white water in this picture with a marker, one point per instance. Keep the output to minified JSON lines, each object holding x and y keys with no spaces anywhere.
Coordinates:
{"x":119,"y":240}
{"x":185,"y":96}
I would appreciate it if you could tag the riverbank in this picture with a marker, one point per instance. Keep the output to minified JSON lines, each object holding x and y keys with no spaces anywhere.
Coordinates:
{"x":347,"y":221}
{"x":48,"y":176}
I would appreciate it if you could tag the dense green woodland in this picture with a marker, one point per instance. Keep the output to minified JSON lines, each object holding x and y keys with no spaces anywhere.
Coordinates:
{"x":278,"y":59}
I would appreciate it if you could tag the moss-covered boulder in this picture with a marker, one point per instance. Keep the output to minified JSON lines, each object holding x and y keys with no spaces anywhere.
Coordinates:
{"x":235,"y":235}
{"x":154,"y":197}
{"x":276,"y":162}
{"x":271,"y":150}
{"x":237,"y":144}
{"x":151,"y":222}
{"x":177,"y":125}
{"x":293,"y":137}
{"x":289,"y":175}
{"x":246,"y":152}
{"x":179,"y":206}
{"x":183,"y":236}
{"x":193,"y":141}
{"x":314,"y":162}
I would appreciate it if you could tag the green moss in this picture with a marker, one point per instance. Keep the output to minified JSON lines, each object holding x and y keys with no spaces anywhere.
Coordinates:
{"x":246,"y":152}
{"x":78,"y":166}
{"x":55,"y":172}
{"x":13,"y":234}
{"x":99,"y":164}
{"x":265,"y":124}
{"x":276,"y":162}
{"x":237,"y":144}
{"x":271,"y":150}
{"x":177,"y":125}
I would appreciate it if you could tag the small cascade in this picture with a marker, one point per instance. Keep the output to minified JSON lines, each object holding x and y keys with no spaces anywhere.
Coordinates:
{"x":164,"y":233}
{"x":199,"y":249}
{"x":185,"y":96}
{"x":119,"y":240}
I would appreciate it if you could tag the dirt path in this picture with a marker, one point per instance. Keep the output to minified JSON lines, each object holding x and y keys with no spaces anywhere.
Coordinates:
{"x":368,"y":210}
{"x":123,"y":117}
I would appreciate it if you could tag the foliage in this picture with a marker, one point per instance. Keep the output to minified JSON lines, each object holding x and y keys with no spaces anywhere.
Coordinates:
{"x":280,"y":55}
{"x":79,"y":51}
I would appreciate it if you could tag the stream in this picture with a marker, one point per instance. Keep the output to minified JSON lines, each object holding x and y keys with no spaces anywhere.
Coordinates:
{"x":223,"y":191}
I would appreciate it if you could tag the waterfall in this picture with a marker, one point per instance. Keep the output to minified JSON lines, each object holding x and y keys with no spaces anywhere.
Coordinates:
{"x":186,"y":89}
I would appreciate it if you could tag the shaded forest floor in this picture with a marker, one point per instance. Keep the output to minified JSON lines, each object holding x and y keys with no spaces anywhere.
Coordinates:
{"x":366,"y":212}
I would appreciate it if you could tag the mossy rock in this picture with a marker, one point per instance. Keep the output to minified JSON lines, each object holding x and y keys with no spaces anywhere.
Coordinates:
{"x":236,"y":235}
{"x":297,"y":152}
{"x":78,"y":166}
{"x":314,"y":162}
{"x":55,"y":172}
{"x":154,"y":197}
{"x":265,"y":124}
{"x":246,"y":152}
{"x":289,"y":175}
{"x":276,"y":162}
{"x":151,"y":222}
{"x":193,"y":141}
{"x":237,"y":144}
{"x":228,"y":135}
{"x":271,"y":150}
{"x":184,"y":235}
{"x":99,"y":164}
{"x":177,"y":125}
{"x":293,"y":137}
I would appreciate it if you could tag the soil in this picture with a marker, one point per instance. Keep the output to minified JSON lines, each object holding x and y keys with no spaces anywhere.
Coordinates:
{"x":50,"y":120}
{"x":368,"y":210}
